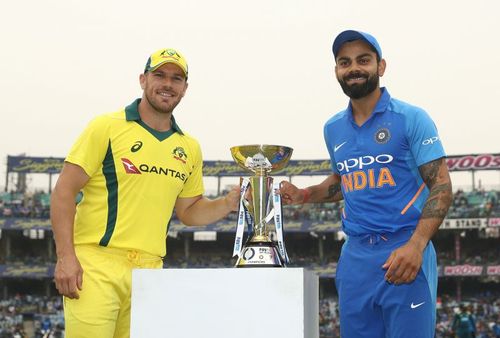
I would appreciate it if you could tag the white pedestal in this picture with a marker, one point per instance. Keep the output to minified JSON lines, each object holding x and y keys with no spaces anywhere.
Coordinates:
{"x":225,"y":303}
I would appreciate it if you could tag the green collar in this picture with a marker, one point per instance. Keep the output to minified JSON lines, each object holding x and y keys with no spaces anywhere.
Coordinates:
{"x":132,"y":114}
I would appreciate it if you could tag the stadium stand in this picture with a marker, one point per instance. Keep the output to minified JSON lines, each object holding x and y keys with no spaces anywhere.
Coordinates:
{"x":467,"y":246}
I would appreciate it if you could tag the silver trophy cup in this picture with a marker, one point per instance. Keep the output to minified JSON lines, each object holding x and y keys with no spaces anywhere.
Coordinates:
{"x":261,"y":160}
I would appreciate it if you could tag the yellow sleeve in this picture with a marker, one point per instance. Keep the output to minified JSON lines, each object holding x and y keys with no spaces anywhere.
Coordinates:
{"x":90,"y":148}
{"x":194,"y":184}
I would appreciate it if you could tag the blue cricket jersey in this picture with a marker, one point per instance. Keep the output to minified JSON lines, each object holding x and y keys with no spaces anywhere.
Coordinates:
{"x":378,"y":165}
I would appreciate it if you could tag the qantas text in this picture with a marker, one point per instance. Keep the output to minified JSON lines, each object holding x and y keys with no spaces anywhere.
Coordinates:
{"x":162,"y":171}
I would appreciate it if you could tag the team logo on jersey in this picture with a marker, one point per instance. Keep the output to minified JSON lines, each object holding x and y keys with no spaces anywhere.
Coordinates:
{"x":180,"y":154}
{"x":137,"y":145}
{"x":382,"y":136}
{"x":130,"y":168}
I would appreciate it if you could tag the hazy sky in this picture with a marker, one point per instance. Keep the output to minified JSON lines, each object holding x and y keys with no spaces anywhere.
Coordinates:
{"x":261,"y":71}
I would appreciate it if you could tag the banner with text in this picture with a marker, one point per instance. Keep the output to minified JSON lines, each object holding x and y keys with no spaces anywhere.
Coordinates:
{"x":229,"y":225}
{"x":464,"y":223}
{"x":473,"y":162}
{"x":34,"y":165}
{"x":25,"y":164}
{"x":463,"y":270}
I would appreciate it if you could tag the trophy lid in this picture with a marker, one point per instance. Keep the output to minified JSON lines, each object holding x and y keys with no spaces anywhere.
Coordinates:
{"x":260,"y":158}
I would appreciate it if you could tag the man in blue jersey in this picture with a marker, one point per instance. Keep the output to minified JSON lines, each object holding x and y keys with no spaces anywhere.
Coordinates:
{"x":389,"y":167}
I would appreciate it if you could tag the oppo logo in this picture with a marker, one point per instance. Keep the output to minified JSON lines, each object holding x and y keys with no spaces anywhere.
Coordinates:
{"x":363,"y":161}
{"x":431,"y":140}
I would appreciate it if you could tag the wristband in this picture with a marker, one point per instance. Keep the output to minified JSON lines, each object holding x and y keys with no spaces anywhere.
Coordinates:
{"x":307,"y":195}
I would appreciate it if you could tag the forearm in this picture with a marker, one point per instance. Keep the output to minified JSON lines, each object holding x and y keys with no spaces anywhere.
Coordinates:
{"x":62,"y":215}
{"x":63,"y":207}
{"x":329,"y":190}
{"x":205,"y":211}
{"x":437,"y":178}
{"x":426,"y":228}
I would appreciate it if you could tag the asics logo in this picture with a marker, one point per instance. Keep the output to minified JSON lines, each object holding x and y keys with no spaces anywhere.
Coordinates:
{"x":414,"y":306}
{"x":337,"y":146}
{"x":137,"y":145}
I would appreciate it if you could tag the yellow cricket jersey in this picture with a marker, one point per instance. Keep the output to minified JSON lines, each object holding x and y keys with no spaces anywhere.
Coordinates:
{"x":136,"y":174}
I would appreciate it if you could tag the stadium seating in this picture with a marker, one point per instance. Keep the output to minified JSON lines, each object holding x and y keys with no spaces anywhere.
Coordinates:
{"x":28,"y":295}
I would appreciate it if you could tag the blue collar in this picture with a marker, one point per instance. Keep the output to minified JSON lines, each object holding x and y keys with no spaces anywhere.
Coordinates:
{"x":380,"y":107}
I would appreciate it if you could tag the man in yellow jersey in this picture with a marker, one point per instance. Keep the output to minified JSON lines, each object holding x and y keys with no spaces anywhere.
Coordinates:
{"x":133,"y":167}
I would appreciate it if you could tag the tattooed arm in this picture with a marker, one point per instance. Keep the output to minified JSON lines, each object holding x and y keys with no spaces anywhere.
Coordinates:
{"x":404,"y":262}
{"x":327,"y":191}
{"x":437,"y":178}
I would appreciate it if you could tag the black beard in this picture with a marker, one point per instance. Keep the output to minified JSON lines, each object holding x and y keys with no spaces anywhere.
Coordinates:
{"x":357,"y":91}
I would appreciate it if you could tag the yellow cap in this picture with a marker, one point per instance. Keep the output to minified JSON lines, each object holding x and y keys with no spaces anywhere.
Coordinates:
{"x":166,"y":55}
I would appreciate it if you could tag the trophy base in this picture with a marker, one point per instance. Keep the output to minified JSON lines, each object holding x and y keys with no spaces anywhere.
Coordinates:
{"x":260,"y":255}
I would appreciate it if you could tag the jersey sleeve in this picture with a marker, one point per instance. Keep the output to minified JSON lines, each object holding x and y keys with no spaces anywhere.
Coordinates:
{"x":329,"y":143}
{"x":424,"y":141}
{"x":194,"y":184}
{"x":90,"y":148}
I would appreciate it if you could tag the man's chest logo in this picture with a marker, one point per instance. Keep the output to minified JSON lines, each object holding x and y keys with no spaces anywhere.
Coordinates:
{"x":137,"y":145}
{"x":382,"y":136}
{"x":130,"y":168}
{"x":179,"y":154}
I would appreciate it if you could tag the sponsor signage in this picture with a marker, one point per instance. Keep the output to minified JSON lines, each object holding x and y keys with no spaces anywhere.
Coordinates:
{"x":494,"y":222}
{"x":327,"y":271}
{"x":25,"y":164}
{"x":493,"y":270}
{"x":473,"y":162}
{"x":26,"y":271}
{"x":465,"y":223}
{"x":294,"y":168}
{"x":463,"y":270}
{"x":226,"y":226}
{"x":22,"y":164}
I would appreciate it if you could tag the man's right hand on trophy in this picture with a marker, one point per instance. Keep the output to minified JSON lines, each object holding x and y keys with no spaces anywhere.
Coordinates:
{"x":232,"y":198}
{"x":290,"y":194}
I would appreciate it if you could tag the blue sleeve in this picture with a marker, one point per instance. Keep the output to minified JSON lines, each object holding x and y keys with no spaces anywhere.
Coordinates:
{"x":423,"y":138}
{"x":329,"y":143}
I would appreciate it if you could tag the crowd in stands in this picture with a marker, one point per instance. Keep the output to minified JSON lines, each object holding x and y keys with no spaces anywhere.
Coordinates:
{"x":32,"y":205}
{"x":45,"y":314}
{"x":488,"y":253}
{"x":484,"y":308}
{"x":471,"y":204}
{"x":475,"y":204}
{"x":48,"y":318}
{"x":329,"y":326}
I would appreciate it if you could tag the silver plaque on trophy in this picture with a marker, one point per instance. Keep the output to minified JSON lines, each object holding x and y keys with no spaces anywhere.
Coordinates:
{"x":259,"y":205}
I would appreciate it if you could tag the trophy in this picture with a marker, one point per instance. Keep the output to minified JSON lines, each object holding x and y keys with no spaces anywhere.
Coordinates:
{"x":265,"y":205}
